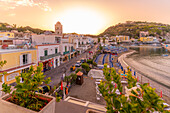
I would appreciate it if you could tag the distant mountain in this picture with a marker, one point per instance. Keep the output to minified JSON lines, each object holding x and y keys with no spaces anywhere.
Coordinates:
{"x":132,"y":29}
{"x":8,"y":27}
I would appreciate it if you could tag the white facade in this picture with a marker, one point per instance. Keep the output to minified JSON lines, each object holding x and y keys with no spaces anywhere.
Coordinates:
{"x":51,"y":50}
{"x":45,"y":39}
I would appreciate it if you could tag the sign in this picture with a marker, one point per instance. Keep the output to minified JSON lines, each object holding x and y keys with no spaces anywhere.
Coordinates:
{"x":12,"y":76}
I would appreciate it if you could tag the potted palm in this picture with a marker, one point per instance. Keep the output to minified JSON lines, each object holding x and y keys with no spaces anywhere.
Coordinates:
{"x":25,"y":99}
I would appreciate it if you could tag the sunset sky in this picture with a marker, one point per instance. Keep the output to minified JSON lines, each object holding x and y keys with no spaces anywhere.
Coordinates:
{"x":82,"y":16}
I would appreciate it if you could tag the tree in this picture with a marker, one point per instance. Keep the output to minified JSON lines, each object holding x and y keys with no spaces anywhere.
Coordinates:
{"x":141,"y":99}
{"x":86,"y":67}
{"x":163,"y":40}
{"x":25,"y":93}
{"x":98,"y":40}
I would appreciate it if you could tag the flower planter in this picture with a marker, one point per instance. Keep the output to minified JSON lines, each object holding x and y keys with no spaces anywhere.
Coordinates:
{"x":8,"y":107}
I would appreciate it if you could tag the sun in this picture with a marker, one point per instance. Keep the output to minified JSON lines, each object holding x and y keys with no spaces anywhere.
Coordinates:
{"x":82,"y":20}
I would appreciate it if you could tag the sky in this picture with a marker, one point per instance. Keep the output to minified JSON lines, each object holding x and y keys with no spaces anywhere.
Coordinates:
{"x":82,"y":16}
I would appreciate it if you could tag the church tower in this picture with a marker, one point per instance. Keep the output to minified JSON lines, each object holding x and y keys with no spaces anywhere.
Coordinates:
{"x":58,"y":28}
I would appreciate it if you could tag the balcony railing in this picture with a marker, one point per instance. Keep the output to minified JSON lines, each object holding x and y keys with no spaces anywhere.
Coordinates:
{"x":66,"y":52}
{"x":50,"y":56}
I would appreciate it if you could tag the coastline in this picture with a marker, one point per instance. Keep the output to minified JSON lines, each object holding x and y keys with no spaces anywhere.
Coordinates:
{"x":146,"y":46}
{"x":144,"y":76}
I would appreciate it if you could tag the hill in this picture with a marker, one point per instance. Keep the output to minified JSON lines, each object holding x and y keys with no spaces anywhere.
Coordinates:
{"x":8,"y":27}
{"x":132,"y":29}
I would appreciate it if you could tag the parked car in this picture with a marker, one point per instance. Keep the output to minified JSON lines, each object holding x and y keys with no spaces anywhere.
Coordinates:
{"x":44,"y":89}
{"x":78,"y":64}
{"x":72,"y":68}
{"x":83,"y":60}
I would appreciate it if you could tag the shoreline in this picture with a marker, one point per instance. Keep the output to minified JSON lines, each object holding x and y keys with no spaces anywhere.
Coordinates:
{"x":146,"y":46}
{"x":144,"y":78}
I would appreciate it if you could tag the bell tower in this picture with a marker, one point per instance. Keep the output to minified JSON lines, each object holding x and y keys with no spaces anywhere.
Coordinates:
{"x":58,"y":28}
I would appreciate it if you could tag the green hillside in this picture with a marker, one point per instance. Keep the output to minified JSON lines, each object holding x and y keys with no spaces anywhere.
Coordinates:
{"x":4,"y":27}
{"x":132,"y":29}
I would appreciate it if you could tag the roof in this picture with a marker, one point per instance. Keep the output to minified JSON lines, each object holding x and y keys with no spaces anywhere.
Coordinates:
{"x":13,"y":50}
{"x":79,"y":73}
{"x":47,"y":44}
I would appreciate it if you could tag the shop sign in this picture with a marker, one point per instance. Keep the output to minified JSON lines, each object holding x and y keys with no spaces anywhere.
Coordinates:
{"x":12,"y":76}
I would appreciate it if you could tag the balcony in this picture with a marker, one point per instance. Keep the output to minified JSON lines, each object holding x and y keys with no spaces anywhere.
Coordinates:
{"x":66,"y":52}
{"x":49,"y":56}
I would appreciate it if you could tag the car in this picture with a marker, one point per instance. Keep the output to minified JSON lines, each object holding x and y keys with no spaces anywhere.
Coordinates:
{"x":78,"y":64}
{"x":44,"y":89}
{"x":72,"y":68}
{"x":82,"y":60}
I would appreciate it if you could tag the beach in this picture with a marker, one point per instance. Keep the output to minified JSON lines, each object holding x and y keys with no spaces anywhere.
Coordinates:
{"x":150,"y":70}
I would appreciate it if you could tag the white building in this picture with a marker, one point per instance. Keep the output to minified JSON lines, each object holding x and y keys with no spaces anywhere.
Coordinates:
{"x":49,"y":55}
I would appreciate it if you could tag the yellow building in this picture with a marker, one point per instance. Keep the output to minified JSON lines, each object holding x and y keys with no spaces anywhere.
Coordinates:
{"x":6,"y":34}
{"x":146,"y":39}
{"x":18,"y":61}
{"x":120,"y":38}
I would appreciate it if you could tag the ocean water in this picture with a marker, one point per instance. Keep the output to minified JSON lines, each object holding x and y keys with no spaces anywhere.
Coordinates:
{"x":151,"y":60}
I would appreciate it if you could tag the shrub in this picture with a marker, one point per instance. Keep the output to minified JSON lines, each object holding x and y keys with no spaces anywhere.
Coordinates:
{"x":94,"y":64}
{"x":141,"y":99}
{"x":79,"y":69}
{"x":25,"y":95}
{"x":74,"y":77}
{"x":90,"y":61}
{"x":86,"y":67}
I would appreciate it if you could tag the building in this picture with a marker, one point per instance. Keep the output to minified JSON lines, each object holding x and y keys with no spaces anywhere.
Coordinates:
{"x":149,"y":39}
{"x":143,"y":33}
{"x":18,"y":61}
{"x":49,"y":55}
{"x":6,"y":35}
{"x":120,"y":38}
{"x":6,"y":38}
{"x":58,"y":29}
{"x":67,"y":49}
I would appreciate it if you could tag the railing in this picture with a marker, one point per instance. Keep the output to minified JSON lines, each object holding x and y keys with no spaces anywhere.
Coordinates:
{"x":49,"y":56}
{"x":16,"y":65}
{"x":66,"y":52}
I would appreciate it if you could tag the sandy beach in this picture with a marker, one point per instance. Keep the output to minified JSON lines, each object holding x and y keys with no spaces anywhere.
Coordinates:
{"x":150,"y":70}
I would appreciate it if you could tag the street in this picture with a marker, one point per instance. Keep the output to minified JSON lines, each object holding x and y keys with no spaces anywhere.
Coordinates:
{"x":57,"y":72}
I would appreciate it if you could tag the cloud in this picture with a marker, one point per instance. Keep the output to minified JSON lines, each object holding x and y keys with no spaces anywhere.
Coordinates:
{"x":12,"y":4}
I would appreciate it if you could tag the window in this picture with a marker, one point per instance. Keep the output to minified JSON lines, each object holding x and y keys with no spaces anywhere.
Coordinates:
{"x":45,"y":52}
{"x":71,"y":48}
{"x":57,"y":39}
{"x":65,"y":48}
{"x":58,"y":33}
{"x":56,"y":50}
{"x":8,"y":34}
{"x":25,"y":59}
{"x":82,"y":43}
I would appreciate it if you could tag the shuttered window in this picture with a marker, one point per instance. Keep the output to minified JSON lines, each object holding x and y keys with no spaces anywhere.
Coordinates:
{"x":45,"y":52}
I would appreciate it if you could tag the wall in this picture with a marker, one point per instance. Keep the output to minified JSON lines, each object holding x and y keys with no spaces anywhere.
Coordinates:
{"x":13,"y":58}
{"x":49,"y":47}
{"x":39,"y":39}
{"x":7,"y":34}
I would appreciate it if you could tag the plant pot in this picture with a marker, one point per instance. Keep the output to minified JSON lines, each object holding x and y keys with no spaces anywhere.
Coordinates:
{"x":8,"y":107}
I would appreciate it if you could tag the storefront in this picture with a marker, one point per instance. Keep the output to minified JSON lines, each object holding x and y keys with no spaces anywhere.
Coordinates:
{"x":72,"y":55}
{"x":65,"y":58}
{"x":49,"y":64}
